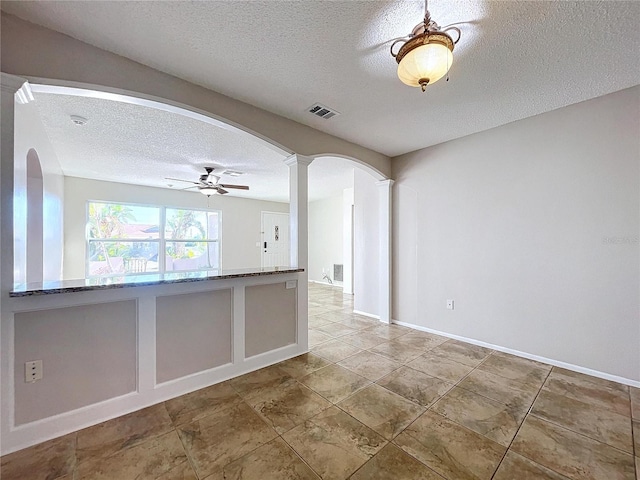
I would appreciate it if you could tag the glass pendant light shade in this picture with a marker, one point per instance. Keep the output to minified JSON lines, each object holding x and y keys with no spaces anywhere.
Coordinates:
{"x":425,"y":64}
{"x":208,"y":191}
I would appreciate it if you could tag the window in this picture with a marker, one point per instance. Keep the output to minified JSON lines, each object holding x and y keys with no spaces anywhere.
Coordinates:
{"x":129,"y":239}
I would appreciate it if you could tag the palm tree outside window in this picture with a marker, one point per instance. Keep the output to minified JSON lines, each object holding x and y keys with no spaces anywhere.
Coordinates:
{"x":129,"y":239}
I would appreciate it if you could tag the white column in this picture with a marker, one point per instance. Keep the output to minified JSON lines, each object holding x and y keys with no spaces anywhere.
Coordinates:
{"x":299,"y":237}
{"x":384,"y":189}
{"x":9,"y":86}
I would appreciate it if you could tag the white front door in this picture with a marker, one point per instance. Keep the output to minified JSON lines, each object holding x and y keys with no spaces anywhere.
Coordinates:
{"x":275,"y":239}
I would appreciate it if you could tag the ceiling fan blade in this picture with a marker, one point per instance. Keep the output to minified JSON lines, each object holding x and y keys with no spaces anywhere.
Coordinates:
{"x":239,"y":187}
{"x":221,"y":191}
{"x":180,"y":180}
{"x":189,"y":188}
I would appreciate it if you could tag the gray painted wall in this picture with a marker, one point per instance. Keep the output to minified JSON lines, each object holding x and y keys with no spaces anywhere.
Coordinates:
{"x":192,"y":343}
{"x":532,"y":228}
{"x":88,"y":354}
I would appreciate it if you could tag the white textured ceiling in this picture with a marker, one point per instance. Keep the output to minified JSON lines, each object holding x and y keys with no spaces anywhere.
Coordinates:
{"x":134,"y":144}
{"x":515,"y":59}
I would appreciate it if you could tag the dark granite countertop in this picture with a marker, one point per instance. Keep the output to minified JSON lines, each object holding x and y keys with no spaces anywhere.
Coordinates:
{"x":104,"y":283}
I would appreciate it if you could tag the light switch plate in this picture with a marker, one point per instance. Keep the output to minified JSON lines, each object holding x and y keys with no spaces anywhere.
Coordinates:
{"x":449,"y":304}
{"x":292,"y":283}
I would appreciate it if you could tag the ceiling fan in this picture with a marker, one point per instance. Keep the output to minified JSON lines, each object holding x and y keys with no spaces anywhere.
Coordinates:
{"x":208,"y":184}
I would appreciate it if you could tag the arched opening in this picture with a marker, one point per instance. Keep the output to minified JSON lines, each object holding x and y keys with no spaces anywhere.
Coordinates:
{"x":34,"y":218}
{"x":347,"y":230}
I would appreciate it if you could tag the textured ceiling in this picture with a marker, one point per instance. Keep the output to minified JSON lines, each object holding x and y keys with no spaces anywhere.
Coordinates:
{"x":515,"y":59}
{"x":140,"y":145}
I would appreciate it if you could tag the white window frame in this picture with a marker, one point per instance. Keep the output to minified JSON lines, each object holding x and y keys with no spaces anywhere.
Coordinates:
{"x":161,"y":240}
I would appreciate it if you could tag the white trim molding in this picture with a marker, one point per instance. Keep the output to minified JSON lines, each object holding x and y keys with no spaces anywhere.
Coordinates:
{"x":386,"y":234}
{"x":518,"y":353}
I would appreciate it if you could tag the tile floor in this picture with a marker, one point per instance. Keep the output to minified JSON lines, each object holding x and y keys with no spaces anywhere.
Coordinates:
{"x":369,"y":402}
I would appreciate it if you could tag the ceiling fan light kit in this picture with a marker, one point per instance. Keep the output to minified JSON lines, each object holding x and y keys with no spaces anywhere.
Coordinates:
{"x":208,"y":184}
{"x":426,"y":54}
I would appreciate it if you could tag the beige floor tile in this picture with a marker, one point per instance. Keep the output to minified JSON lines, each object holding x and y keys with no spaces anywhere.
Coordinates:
{"x":313,"y":310}
{"x":316,"y":337}
{"x":397,"y":351}
{"x":264,"y":378}
{"x":381,"y":410}
{"x":123,"y":432}
{"x":370,"y":365}
{"x":492,"y":419}
{"x":637,"y":468}
{"x":393,"y":463}
{"x":334,"y":315}
{"x":334,"y":382}
{"x":571,"y":454}
{"x":216,"y":440}
{"x":358,"y":322}
{"x":287,"y":405}
{"x":582,"y":378}
{"x":203,"y":402}
{"x":440,"y":366}
{"x":184,"y":471}
{"x":154,"y":458}
{"x":453,"y":451}
{"x":388,"y":331}
{"x":595,"y":422}
{"x":520,"y":369}
{"x":578,"y":388}
{"x":318,"y":321}
{"x":363,"y":340}
{"x":423,"y":340}
{"x":634,"y":393}
{"x":273,"y":461}
{"x":416,"y":386}
{"x":516,"y":467}
{"x":636,"y":437}
{"x":47,"y":461}
{"x":335,"y":350}
{"x":303,"y":365}
{"x":334,"y":444}
{"x":464,"y":353}
{"x":513,"y":394}
{"x":336,"y":329}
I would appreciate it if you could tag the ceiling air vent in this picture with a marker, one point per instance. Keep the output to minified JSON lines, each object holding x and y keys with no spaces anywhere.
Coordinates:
{"x":321,"y":111}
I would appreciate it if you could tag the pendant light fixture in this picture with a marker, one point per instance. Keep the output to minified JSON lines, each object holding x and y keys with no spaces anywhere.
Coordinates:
{"x":426,"y":54}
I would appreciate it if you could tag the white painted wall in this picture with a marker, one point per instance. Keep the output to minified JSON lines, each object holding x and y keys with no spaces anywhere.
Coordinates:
{"x":30,"y":134}
{"x":325,"y":237}
{"x":366,"y":259}
{"x":532,"y":228}
{"x":240,"y":218}
{"x":347,"y":240}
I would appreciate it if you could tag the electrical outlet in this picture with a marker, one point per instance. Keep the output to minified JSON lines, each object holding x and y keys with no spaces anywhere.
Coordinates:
{"x":33,"y":371}
{"x":291,"y":283}
{"x":449,"y":304}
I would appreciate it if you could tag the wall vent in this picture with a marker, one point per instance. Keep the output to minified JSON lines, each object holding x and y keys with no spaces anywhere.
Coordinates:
{"x":322,"y":111}
{"x":337,"y":272}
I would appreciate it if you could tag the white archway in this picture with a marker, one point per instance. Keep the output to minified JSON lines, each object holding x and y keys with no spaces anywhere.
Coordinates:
{"x":383,"y":289}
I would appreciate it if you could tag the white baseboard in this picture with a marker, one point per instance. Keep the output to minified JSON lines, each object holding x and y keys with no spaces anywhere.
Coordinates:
{"x":326,"y":283}
{"x":537,"y":358}
{"x":29,"y":434}
{"x":365,"y":314}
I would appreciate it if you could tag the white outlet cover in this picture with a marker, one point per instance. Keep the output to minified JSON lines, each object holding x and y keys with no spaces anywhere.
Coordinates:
{"x":33,"y":371}
{"x":450,"y":304}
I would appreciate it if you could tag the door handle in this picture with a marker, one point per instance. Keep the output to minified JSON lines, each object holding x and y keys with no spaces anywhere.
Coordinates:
{"x":265,"y":245}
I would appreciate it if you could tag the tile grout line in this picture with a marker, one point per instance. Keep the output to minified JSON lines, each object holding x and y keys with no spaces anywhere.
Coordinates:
{"x":520,"y":426}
